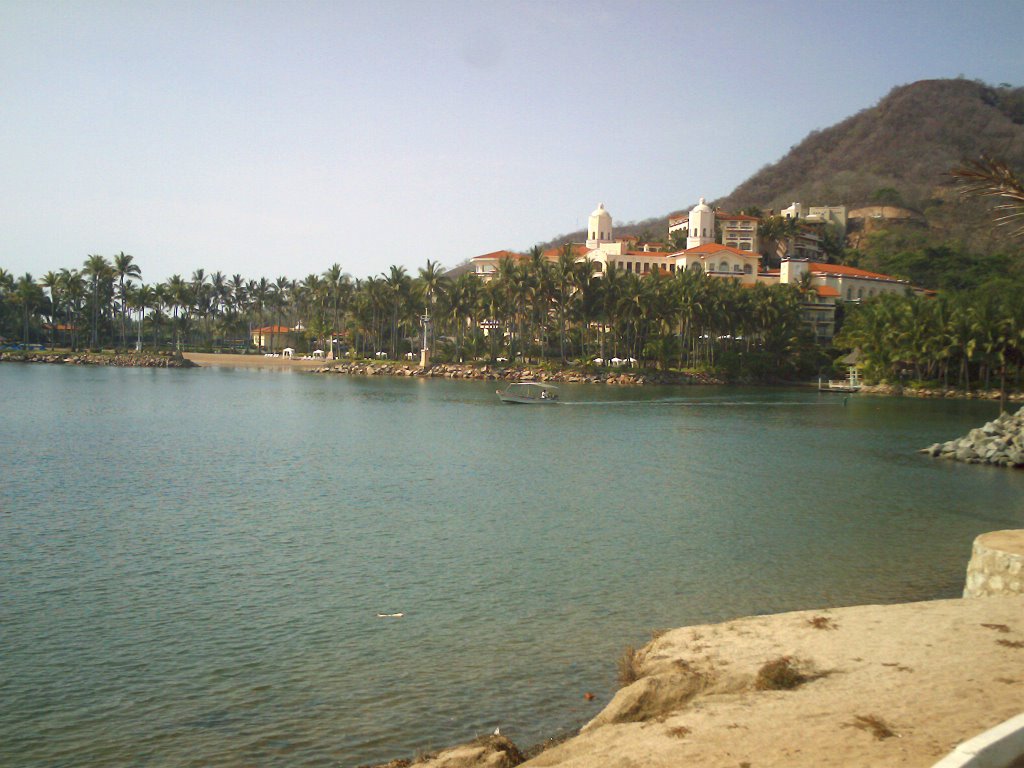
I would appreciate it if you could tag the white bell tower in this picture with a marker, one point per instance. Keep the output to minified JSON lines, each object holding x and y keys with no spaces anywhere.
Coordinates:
{"x":701,"y":225}
{"x":599,"y":228}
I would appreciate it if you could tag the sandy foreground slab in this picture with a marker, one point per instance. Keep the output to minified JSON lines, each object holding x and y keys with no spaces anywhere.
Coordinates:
{"x":895,"y":685}
{"x":252,"y":361}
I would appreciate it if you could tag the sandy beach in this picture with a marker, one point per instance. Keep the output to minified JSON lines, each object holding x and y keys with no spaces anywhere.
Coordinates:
{"x":893,"y":685}
{"x":252,"y":361}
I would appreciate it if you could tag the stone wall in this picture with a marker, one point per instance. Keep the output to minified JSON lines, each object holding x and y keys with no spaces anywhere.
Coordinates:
{"x":997,"y":565}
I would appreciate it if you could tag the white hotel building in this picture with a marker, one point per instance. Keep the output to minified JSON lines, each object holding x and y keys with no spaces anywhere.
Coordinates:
{"x":829,"y":282}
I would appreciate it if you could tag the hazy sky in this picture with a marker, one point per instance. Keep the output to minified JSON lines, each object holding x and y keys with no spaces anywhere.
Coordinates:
{"x":276,"y":138}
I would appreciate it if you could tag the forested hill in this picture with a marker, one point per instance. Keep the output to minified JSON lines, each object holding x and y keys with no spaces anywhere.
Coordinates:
{"x":899,"y":151}
{"x":903,"y":147}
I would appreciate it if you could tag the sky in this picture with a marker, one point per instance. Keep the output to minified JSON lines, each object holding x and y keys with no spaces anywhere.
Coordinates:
{"x":275,"y":139}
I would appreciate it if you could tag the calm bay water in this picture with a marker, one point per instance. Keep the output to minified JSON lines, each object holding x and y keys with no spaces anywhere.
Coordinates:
{"x":192,"y":563}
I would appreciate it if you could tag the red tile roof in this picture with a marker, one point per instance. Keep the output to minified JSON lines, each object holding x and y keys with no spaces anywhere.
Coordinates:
{"x":826,"y":291}
{"x":578,"y":249}
{"x":272,"y":329}
{"x":718,"y":247}
{"x":844,"y":271}
{"x":500,"y":255}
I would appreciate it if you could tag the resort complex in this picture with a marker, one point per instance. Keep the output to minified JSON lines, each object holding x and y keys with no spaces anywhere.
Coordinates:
{"x":727,"y":246}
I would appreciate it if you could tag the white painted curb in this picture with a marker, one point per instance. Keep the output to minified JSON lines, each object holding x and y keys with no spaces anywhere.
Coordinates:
{"x":997,"y":747}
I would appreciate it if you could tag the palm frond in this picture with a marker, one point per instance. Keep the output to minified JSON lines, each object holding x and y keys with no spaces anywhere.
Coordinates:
{"x":993,"y":178}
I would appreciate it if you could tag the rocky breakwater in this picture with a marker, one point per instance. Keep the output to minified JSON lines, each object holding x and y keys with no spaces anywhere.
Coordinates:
{"x":117,"y":359}
{"x":1000,"y":442}
{"x":898,"y":390}
{"x":518,"y":373}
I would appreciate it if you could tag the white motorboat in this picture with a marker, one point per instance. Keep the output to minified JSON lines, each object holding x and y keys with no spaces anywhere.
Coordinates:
{"x":529,"y":393}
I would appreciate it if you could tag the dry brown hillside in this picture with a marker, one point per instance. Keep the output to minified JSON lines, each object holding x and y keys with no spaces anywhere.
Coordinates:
{"x":900,"y":149}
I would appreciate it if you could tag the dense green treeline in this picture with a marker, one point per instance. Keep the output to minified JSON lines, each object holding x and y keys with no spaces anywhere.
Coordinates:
{"x":934,"y":260}
{"x":538,"y":311}
{"x":954,"y":339}
{"x":534,"y":309}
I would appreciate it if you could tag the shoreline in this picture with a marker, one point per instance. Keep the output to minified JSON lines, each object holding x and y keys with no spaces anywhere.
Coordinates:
{"x":108,"y":359}
{"x":904,"y":684}
{"x":464,"y":371}
{"x":868,"y":685}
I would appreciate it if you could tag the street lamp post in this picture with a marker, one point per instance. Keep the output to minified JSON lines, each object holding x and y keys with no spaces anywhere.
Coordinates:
{"x":425,"y":349}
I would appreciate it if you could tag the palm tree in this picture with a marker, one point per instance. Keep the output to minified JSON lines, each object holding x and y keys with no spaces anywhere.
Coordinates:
{"x":159,"y":301}
{"x":568,"y":277}
{"x":176,"y":298}
{"x":142,"y":298}
{"x":776,"y":234}
{"x":988,"y":177}
{"x":73,"y":290}
{"x":29,"y":296}
{"x":432,"y":282}
{"x":125,"y":270}
{"x":460,"y":297}
{"x":260,"y":292}
{"x":339,"y":289}
{"x":98,"y":271}
{"x":397,"y":283}
{"x":199,"y":303}
{"x":51,"y":281}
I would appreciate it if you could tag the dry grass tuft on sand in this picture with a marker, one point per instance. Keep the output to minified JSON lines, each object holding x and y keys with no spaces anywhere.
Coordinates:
{"x":781,"y":674}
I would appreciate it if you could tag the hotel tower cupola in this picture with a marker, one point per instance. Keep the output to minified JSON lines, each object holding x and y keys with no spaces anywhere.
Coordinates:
{"x":701,"y":225}
{"x":599,"y":227}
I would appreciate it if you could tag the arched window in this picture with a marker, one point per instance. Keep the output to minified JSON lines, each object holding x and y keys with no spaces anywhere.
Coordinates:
{"x":849,"y":293}
{"x":747,"y":269}
{"x":598,"y":267}
{"x":860,"y":293}
{"x":704,"y":232}
{"x":723,"y":267}
{"x":735,"y":267}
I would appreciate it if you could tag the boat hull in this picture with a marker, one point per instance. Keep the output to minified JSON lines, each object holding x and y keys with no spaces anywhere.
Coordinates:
{"x":524,"y":400}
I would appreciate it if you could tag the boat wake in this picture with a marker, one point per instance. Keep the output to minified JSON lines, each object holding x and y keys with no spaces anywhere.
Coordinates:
{"x":699,"y":403}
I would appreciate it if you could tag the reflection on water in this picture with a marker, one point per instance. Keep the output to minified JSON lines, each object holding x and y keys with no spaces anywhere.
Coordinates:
{"x":194,"y":561}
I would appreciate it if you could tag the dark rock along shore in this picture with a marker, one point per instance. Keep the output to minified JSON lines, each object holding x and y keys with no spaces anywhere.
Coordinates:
{"x":118,"y":359}
{"x":518,"y":373}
